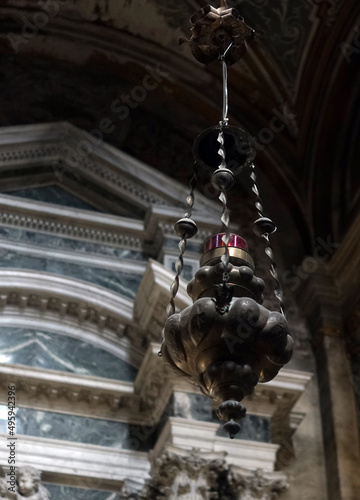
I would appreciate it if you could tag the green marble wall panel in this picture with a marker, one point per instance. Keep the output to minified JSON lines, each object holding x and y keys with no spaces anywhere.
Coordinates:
{"x":68,"y":244}
{"x":92,"y":431}
{"x":52,"y":194}
{"x":58,"y":492}
{"x":58,"y":352}
{"x":125,"y":284}
{"x":60,"y":196}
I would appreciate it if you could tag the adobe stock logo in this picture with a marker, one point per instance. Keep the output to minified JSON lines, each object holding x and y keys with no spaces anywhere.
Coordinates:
{"x":40,"y":19}
{"x":122,"y":107}
{"x":323,"y":251}
{"x":281,"y":119}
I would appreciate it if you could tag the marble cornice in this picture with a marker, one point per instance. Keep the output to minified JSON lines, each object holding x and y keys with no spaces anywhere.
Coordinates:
{"x":80,"y":465}
{"x":25,"y":146}
{"x":66,"y":392}
{"x":50,"y":301}
{"x":71,"y":223}
{"x":96,"y":261}
{"x":30,"y":283}
{"x":162,"y":199}
{"x":239,"y":453}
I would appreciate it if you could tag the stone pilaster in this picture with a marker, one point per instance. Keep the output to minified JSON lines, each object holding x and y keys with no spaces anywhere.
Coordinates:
{"x":320,"y":300}
{"x":353,"y":350}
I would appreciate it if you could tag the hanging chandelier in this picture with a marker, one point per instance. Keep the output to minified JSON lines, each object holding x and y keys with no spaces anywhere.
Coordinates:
{"x":226,"y":342}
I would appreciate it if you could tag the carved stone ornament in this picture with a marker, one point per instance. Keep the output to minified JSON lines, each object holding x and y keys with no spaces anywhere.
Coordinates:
{"x":126,"y":494}
{"x":26,"y":486}
{"x":257,"y":486}
{"x":176,"y":476}
{"x":186,"y":478}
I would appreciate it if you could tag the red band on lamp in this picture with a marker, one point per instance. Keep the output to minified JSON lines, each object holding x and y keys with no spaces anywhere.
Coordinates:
{"x":217,"y":242}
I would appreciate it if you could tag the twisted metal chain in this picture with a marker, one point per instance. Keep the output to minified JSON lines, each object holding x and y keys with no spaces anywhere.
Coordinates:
{"x":190,"y":200}
{"x":174,"y":288}
{"x":179,"y":265}
{"x":225,"y":217}
{"x":221,"y":151}
{"x":269,"y":251}
{"x":255,"y":189}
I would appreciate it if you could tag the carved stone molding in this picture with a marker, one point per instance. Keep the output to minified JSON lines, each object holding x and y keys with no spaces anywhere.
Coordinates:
{"x":114,"y":170}
{"x":80,"y":465}
{"x":68,"y":230}
{"x":64,"y":297}
{"x":57,"y":155}
{"x":65,"y":392}
{"x":81,"y":310}
{"x":61,"y":221}
{"x":153,"y":386}
{"x":34,"y":154}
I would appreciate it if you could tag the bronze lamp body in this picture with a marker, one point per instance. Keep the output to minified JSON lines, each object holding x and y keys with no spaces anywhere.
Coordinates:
{"x":227,"y":348}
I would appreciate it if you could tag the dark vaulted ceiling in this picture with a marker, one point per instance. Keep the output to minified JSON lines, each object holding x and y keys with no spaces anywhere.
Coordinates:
{"x":76,"y":65}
